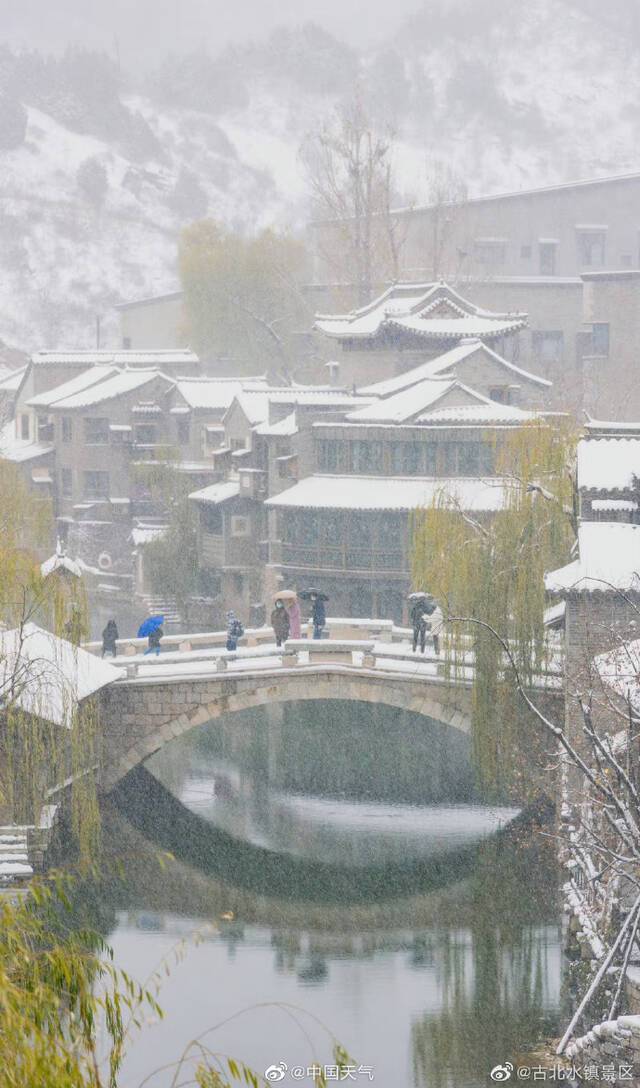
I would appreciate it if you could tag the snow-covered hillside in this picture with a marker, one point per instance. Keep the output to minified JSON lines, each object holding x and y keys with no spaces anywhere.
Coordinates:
{"x":510,"y":95}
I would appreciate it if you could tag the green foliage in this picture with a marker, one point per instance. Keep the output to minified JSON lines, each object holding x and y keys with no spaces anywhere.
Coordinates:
{"x":242,"y":293}
{"x":34,"y":753}
{"x":489,"y":577}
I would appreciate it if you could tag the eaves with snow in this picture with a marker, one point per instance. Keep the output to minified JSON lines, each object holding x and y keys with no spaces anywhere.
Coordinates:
{"x":608,"y":561}
{"x":50,"y":677}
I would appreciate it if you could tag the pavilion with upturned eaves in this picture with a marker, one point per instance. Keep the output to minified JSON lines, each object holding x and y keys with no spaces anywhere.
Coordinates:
{"x":410,"y":323}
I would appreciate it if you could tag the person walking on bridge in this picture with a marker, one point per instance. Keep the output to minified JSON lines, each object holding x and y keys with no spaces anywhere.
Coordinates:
{"x":109,"y":638}
{"x":419,"y":617}
{"x":280,"y":623}
{"x":318,"y":614}
{"x":436,"y":623}
{"x":235,"y":630}
{"x":295,"y":619}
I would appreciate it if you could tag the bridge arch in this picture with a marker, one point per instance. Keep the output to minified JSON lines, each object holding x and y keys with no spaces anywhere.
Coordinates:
{"x":139,"y":718}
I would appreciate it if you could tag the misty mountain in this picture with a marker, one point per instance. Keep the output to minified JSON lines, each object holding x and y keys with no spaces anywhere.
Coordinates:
{"x":102,"y":166}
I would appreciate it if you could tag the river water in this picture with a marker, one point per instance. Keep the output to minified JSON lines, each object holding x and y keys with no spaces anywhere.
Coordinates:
{"x":329,"y":870}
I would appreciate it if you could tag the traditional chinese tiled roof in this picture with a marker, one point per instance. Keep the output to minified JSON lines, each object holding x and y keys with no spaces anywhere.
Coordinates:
{"x":433,"y":311}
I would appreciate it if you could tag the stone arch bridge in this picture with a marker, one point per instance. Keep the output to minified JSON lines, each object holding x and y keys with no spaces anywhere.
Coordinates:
{"x":162,"y":698}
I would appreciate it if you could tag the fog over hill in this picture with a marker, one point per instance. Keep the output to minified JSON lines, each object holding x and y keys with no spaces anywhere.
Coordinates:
{"x":102,"y":163}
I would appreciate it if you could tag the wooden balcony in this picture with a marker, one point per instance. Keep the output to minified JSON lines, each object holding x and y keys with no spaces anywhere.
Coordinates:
{"x":343,"y":558}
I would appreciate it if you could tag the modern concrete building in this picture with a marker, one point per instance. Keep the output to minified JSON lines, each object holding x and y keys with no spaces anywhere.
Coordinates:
{"x":154,"y":322}
{"x":558,"y":230}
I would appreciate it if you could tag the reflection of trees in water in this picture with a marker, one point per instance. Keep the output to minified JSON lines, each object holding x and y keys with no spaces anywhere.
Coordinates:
{"x":494,"y":1003}
{"x":494,"y":977}
{"x":334,"y":748}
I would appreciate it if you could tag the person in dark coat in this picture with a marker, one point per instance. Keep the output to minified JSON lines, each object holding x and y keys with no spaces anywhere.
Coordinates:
{"x":420,"y":622}
{"x":318,"y":615}
{"x":280,"y":623}
{"x":153,"y":639}
{"x":235,"y":630}
{"x":109,"y":637}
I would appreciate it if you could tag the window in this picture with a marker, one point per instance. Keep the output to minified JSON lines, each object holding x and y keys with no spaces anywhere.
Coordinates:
{"x":450,"y":458}
{"x":240,"y":525}
{"x":332,"y":530}
{"x":391,"y":532}
{"x":366,"y":456}
{"x":25,"y":427}
{"x":96,"y":485}
{"x":306,"y":529}
{"x":96,"y":431}
{"x":525,"y":253}
{"x":548,"y":258}
{"x":469,"y":458}
{"x":184,"y":432}
{"x":146,"y":434}
{"x":67,"y":429}
{"x":406,"y":458}
{"x":548,"y":347}
{"x":360,"y":529}
{"x":238,"y":444}
{"x":211,"y":519}
{"x":490,"y":252}
{"x":500,"y":394}
{"x":126,"y":342}
{"x":600,"y":338}
{"x":592,"y":247}
{"x":430,"y":460}
{"x":487,"y":459}
{"x":327,"y":455}
{"x":67,"y":483}
{"x":626,"y":260}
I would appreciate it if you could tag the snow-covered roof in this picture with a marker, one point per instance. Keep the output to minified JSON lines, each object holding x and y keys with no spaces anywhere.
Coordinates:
{"x":608,"y":505}
{"x":144,"y":534}
{"x":217,"y":493}
{"x":445,"y":365}
{"x":81,"y":382}
{"x":153,"y":357}
{"x":608,"y":464}
{"x":430,"y":310}
{"x":611,"y":428}
{"x":10,"y":382}
{"x":214,"y":393}
{"x":608,"y":560}
{"x":406,"y":404}
{"x":119,"y":384}
{"x":59,"y":561}
{"x":17,"y":449}
{"x":255,"y":402}
{"x":51,"y":675}
{"x":401,"y":493}
{"x":477,"y":415}
{"x":284,"y":428}
{"x":440,"y":401}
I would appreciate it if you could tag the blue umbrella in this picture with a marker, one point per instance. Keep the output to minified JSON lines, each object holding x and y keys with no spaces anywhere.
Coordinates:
{"x":150,"y":625}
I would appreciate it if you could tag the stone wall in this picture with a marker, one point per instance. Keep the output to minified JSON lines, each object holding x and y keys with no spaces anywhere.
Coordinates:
{"x":609,"y":1053}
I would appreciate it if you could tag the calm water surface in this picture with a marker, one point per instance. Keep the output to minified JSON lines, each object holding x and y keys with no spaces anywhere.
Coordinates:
{"x":335,"y":873}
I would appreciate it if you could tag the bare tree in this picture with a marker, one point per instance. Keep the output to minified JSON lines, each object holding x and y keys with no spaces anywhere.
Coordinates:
{"x":446,"y":194}
{"x":349,"y":169}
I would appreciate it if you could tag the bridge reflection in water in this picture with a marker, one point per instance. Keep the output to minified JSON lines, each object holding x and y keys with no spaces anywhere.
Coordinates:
{"x":350,"y":867}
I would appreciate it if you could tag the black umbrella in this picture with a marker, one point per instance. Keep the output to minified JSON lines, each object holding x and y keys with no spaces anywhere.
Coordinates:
{"x":420,"y":595}
{"x":306,"y":594}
